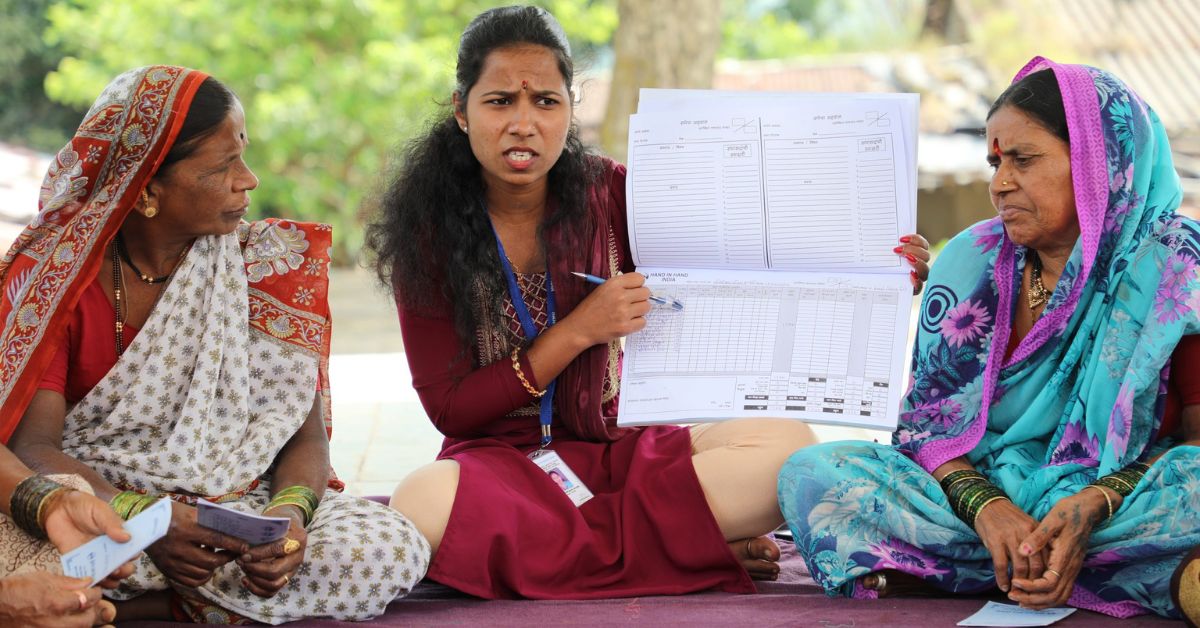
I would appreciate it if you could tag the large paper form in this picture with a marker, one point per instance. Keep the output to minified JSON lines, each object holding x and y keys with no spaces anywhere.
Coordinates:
{"x":773,"y":221}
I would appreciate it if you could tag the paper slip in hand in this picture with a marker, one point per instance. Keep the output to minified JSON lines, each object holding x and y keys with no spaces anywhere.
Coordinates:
{"x":997,"y":614}
{"x":101,"y":556}
{"x":253,"y":529}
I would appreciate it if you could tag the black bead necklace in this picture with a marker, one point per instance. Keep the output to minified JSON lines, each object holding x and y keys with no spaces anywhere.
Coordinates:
{"x":143,"y":276}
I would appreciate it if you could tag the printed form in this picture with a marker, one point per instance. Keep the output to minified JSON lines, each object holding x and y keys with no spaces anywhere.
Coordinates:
{"x":773,"y":221}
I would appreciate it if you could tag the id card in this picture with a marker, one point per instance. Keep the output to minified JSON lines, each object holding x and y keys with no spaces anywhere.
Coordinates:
{"x":562,"y":475}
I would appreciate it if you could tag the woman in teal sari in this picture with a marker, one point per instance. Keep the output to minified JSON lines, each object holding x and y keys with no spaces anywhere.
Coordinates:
{"x":1044,"y":446}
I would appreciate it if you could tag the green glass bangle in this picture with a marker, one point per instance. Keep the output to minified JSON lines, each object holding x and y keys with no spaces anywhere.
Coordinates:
{"x":962,"y":492}
{"x":969,"y":498}
{"x":299,"y":496}
{"x":300,"y":491}
{"x":302,"y":505}
{"x":1124,"y":481}
{"x":975,"y":514}
{"x":961,"y":475}
{"x":129,"y":504}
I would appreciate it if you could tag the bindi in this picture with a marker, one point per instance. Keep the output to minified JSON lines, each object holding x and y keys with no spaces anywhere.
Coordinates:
{"x":524,"y":86}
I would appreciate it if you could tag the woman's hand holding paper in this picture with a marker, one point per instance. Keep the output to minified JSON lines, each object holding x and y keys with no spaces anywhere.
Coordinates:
{"x":915,"y":248}
{"x":190,"y":553}
{"x":269,"y":567}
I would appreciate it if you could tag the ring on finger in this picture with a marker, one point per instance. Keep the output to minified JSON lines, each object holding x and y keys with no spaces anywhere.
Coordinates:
{"x":291,"y":546}
{"x":287,"y":579}
{"x":82,"y":599}
{"x":1056,"y":574}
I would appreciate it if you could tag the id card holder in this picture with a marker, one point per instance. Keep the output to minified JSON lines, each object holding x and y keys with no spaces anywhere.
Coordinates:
{"x":562,"y":475}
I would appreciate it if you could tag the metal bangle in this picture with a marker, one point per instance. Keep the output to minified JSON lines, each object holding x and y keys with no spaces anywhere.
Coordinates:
{"x":516,"y":364}
{"x":27,"y":502}
{"x":1107,"y":499}
{"x":975,"y":515}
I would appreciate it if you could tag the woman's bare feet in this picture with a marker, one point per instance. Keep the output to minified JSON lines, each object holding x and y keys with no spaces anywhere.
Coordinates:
{"x":759,"y":556}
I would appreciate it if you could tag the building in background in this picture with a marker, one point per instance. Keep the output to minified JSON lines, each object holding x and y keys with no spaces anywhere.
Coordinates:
{"x":1154,"y":45}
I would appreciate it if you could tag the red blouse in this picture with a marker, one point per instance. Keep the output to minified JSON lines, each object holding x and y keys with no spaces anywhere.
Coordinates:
{"x":87,"y":348}
{"x":1183,"y":387}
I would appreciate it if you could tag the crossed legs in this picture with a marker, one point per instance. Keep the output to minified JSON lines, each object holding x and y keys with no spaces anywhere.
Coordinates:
{"x":737,"y":463}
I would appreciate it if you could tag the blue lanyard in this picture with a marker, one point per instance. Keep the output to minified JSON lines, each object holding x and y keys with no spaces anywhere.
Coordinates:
{"x":546,"y":408}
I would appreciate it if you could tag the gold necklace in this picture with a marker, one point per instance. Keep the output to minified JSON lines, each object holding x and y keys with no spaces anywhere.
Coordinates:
{"x":1038,"y":295}
{"x":516,"y":273}
{"x":118,"y":283}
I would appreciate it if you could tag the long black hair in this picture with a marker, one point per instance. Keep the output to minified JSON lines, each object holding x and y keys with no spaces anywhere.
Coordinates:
{"x":431,"y":234}
{"x":1039,"y":96}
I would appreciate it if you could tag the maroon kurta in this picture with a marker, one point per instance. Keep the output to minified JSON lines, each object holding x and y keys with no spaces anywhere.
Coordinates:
{"x":512,"y":531}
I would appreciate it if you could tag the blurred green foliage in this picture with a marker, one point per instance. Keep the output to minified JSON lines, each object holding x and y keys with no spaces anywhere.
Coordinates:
{"x":330,"y":87}
{"x":782,"y":29}
{"x":27,"y":115}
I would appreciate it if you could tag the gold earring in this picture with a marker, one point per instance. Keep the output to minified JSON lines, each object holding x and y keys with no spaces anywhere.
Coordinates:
{"x":150,"y":211}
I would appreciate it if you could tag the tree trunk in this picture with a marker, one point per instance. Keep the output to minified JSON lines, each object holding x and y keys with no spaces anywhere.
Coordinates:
{"x":937,"y":18}
{"x":665,"y":43}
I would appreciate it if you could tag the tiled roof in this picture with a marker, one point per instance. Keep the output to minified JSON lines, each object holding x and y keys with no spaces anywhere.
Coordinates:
{"x":1153,"y":45}
{"x":776,"y":76}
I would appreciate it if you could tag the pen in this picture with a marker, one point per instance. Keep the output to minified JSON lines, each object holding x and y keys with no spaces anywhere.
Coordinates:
{"x":654,"y":298}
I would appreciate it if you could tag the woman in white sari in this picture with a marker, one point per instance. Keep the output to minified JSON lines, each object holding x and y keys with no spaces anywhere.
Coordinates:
{"x":156,"y":344}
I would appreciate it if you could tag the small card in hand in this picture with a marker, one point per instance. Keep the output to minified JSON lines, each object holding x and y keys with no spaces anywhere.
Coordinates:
{"x":251,"y":528}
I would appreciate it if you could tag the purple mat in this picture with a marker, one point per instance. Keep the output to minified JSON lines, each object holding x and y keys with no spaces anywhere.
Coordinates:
{"x":792,"y":601}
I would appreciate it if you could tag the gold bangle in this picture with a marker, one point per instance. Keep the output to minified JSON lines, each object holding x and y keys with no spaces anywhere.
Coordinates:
{"x":306,"y":510}
{"x":985,"y":505}
{"x":516,"y":364}
{"x":48,"y":502}
{"x":1107,"y":499}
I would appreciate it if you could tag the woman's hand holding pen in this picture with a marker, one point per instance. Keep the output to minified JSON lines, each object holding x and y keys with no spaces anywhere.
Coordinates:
{"x":614,"y":309}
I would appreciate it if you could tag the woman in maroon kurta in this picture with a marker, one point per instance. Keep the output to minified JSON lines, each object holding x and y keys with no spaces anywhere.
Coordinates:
{"x":491,"y":212}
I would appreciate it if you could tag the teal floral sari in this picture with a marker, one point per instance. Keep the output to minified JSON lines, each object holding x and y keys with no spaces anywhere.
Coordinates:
{"x":1081,"y":396}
